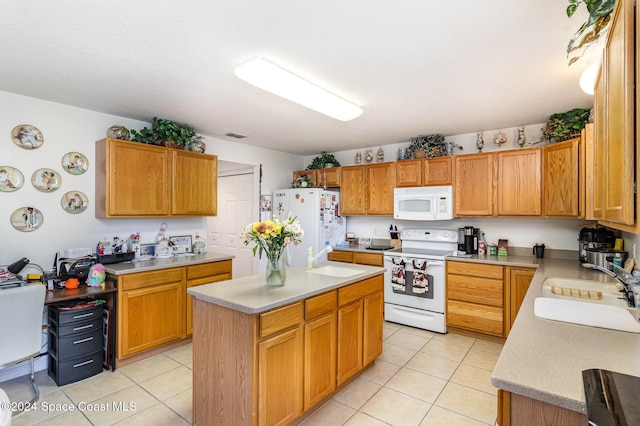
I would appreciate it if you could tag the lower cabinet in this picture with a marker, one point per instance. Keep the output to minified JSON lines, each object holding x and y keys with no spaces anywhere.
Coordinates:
{"x":363,"y":258}
{"x":485,"y":298}
{"x":153,"y":307}
{"x":515,"y":409}
{"x":284,"y":361}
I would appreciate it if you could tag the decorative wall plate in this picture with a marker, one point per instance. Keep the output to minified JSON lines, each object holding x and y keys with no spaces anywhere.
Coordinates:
{"x":27,"y":219}
{"x":27,"y":136}
{"x":74,"y":202}
{"x":11,"y":179}
{"x":75,"y":163}
{"x":46,"y":180}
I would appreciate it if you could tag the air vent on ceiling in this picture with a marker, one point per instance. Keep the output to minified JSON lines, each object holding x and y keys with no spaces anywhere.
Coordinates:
{"x":235,"y":135}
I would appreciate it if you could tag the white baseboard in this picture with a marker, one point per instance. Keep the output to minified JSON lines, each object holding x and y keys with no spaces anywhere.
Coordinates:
{"x":24,"y":368}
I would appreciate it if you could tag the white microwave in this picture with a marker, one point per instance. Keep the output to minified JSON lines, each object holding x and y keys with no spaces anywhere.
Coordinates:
{"x":423,"y":203}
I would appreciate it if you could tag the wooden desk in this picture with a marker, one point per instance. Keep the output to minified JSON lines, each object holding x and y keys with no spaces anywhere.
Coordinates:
{"x":107,"y":292}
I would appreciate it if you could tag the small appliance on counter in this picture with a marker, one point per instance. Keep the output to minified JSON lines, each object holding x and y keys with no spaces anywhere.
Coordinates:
{"x":594,"y":238}
{"x":468,"y":239}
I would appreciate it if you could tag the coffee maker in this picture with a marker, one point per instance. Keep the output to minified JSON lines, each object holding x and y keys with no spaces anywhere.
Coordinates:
{"x":468,"y":239}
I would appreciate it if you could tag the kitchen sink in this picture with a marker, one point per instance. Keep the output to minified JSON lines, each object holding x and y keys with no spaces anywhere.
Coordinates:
{"x":585,"y":302}
{"x":335,"y":271}
{"x":587,"y":291}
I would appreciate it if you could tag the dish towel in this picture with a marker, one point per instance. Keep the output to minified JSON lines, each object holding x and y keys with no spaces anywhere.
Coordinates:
{"x":398,"y":275}
{"x":420,"y":281}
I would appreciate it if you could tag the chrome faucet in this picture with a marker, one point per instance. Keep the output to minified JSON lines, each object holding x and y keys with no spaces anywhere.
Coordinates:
{"x":311,"y":259}
{"x":626,"y":280}
{"x":601,"y":269}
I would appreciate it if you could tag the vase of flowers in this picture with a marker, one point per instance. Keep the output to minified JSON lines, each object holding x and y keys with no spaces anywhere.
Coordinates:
{"x":271,"y":238}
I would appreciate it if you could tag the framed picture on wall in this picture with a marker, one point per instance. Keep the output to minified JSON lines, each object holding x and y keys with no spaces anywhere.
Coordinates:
{"x":265,"y":203}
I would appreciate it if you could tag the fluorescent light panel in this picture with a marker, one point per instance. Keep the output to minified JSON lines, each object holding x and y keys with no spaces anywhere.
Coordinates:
{"x":272,"y":78}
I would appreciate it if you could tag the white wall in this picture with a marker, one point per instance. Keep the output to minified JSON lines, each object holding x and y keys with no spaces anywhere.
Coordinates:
{"x":66,"y":129}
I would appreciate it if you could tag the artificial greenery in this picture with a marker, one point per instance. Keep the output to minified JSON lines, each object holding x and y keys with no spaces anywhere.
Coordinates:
{"x":166,"y":130}
{"x":591,"y":30}
{"x":321,"y":161}
{"x":303,"y":182}
{"x":565,"y":125}
{"x":432,"y":145}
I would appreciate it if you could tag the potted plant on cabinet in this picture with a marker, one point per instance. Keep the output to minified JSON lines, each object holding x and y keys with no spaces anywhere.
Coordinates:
{"x":323,"y":160}
{"x":168,"y":133}
{"x":563,"y":126}
{"x":429,"y":146}
{"x":590,"y":31}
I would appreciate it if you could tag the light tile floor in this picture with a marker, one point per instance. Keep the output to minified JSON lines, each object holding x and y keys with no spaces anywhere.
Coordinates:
{"x":421,"y":378}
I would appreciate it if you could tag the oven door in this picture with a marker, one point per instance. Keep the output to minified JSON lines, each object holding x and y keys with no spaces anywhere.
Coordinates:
{"x":414,"y":282}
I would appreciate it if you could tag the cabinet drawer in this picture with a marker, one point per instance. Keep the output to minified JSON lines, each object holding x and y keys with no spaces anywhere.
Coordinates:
{"x":319,"y":305}
{"x":359,"y":290}
{"x":75,"y":345}
{"x":149,"y":279}
{"x":75,"y":369}
{"x":373,"y":259}
{"x":208,"y":269}
{"x":483,"y":291}
{"x":475,"y":269}
{"x":340,"y":256}
{"x":78,"y":327}
{"x":75,"y":315}
{"x":485,"y":319}
{"x":280,"y":319}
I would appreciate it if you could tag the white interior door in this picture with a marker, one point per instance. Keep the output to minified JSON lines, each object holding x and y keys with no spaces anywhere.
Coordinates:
{"x":235,"y":210}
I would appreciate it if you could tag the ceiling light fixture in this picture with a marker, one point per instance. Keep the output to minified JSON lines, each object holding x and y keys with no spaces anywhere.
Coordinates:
{"x":281,"y":82}
{"x":588,"y":78}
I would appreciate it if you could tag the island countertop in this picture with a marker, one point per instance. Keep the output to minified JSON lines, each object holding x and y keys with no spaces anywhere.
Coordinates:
{"x":251,"y":295}
{"x":157,"y":263}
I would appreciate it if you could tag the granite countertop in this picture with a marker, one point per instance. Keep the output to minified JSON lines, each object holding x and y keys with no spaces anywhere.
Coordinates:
{"x":252,"y":296}
{"x":172,"y":262}
{"x":544,"y":359}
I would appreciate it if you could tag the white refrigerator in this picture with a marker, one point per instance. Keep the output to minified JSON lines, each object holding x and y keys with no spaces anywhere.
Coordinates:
{"x":319,"y":214}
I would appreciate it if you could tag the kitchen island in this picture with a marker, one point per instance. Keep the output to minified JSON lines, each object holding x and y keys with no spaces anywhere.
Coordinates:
{"x":266,"y":355}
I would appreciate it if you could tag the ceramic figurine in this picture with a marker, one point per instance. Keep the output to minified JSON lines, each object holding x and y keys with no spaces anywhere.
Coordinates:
{"x":522,"y":139}
{"x":358,"y":157}
{"x":368,"y":155}
{"x":380,"y":155}
{"x":479,"y":142}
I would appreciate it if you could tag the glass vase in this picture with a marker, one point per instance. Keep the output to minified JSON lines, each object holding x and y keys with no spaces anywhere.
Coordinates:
{"x":276,"y":272}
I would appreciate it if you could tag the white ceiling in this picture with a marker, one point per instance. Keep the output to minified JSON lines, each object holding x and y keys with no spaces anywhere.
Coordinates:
{"x":415,"y":67}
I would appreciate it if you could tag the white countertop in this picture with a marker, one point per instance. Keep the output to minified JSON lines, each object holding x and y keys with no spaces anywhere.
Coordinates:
{"x":251,"y":295}
{"x":156,"y":263}
{"x":544,"y":359}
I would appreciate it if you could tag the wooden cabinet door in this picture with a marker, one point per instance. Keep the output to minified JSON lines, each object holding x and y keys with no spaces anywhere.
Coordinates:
{"x":319,"y":358}
{"x":619,"y":165}
{"x":352,"y":190}
{"x":380,"y":183}
{"x":373,"y":311}
{"x":597,"y":154}
{"x":474,"y":185}
{"x":311,"y":173}
{"x":150,"y":316}
{"x":280,"y":378}
{"x":475,"y":317}
{"x":132,"y":179}
{"x":520,"y":183}
{"x":340,"y":256}
{"x":519,"y":281}
{"x":349,"y":340}
{"x":195,"y":184}
{"x":330,"y":177}
{"x":373,"y":259}
{"x":561,"y":179}
{"x":438,"y":171}
{"x":409,"y":173}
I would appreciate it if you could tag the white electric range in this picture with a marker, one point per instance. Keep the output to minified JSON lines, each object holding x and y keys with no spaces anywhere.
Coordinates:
{"x":415,"y":279}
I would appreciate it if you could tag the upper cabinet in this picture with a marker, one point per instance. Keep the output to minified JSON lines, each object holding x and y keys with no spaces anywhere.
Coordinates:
{"x":322,"y":178}
{"x":409,"y":173}
{"x":561,"y":179}
{"x":438,"y":171}
{"x":615,"y":165}
{"x":367,"y":189}
{"x":138,"y":180}
{"x":474,"y":184}
{"x":520,"y":183}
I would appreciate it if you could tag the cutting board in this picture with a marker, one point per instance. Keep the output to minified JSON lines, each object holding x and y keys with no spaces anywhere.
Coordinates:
{"x":594,"y":315}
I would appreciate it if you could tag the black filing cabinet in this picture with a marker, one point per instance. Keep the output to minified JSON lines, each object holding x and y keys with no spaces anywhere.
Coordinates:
{"x":76,"y":341}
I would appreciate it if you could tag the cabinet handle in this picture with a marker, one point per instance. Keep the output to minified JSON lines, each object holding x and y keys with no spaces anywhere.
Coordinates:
{"x":82,"y":363}
{"x":90,"y":314}
{"x":83,"y":340}
{"x":83,"y":327}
